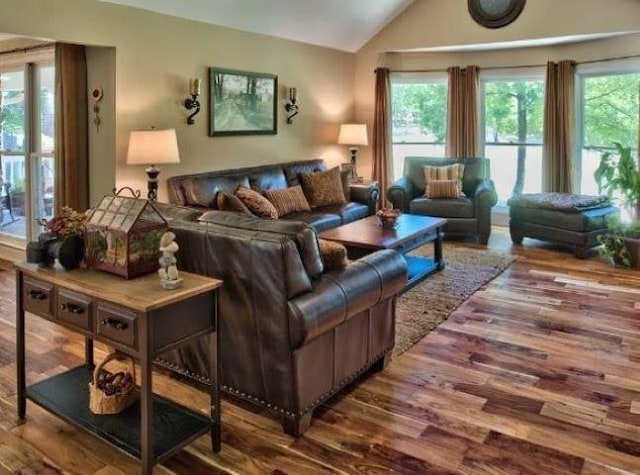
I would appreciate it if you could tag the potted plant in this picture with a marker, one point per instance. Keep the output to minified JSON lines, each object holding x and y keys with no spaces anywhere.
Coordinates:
{"x":618,"y":175}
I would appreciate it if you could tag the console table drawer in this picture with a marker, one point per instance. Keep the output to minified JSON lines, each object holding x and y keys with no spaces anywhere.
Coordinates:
{"x":37,"y":297}
{"x":117,"y":324}
{"x":74,"y":309}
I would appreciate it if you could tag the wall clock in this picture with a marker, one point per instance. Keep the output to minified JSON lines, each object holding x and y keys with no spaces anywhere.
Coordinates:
{"x":495,"y":13}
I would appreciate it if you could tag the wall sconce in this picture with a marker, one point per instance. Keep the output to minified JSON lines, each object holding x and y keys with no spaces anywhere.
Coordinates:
{"x":291,"y":107}
{"x":192,"y":102}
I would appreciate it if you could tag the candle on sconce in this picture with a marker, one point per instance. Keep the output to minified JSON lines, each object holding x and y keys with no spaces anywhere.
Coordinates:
{"x":194,"y":87}
{"x":293,"y":94}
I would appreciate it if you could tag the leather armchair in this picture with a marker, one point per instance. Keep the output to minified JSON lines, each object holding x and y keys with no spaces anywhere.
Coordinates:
{"x":290,"y":334}
{"x":470,"y":214}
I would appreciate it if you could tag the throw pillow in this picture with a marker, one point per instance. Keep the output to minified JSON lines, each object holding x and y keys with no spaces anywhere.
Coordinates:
{"x":443,"y":189}
{"x":447,"y":172}
{"x":288,"y":200}
{"x":257,"y":203}
{"x":323,"y":188}
{"x":334,"y":255}
{"x":228,"y":202}
{"x":345,"y":175}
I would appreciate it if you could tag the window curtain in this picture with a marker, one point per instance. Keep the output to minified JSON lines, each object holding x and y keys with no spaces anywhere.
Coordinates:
{"x":559,"y":126}
{"x":71,"y":117}
{"x":382,"y":154}
{"x":462,"y":112}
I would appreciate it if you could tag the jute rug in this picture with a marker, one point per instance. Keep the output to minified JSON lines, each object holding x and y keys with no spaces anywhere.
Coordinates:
{"x":429,"y":303}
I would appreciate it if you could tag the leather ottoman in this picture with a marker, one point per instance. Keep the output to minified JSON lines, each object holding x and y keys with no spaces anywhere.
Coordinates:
{"x":561,"y":218}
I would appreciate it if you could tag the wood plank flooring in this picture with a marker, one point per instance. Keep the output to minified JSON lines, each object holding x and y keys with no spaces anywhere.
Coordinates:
{"x":539,"y":373}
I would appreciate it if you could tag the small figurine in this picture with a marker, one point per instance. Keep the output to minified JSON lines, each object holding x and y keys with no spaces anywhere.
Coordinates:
{"x":168,"y":271}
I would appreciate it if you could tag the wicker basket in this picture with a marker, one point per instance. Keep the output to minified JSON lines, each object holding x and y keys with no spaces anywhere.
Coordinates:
{"x":100,"y":402}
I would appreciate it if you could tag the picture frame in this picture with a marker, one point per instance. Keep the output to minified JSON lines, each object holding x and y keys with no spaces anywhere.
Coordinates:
{"x":242,"y":103}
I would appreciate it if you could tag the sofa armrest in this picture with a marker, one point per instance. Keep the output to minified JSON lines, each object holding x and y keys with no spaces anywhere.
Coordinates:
{"x":485,"y":194}
{"x":339,"y":295}
{"x":367,"y":194}
{"x":401,"y":193}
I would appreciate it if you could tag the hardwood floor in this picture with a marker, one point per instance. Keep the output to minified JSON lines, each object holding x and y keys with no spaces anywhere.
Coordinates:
{"x":539,"y":372}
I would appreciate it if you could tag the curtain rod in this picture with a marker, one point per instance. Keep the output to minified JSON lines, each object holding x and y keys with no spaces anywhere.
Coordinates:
{"x":27,"y":48}
{"x":617,"y":58}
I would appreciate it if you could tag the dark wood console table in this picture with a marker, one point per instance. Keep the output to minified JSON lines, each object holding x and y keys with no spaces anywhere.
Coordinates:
{"x":138,"y":318}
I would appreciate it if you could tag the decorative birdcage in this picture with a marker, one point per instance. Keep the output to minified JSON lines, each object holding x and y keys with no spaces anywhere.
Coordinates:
{"x":122,"y":236}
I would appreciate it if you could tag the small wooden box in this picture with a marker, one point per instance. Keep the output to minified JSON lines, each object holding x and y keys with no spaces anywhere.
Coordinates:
{"x":122,"y":236}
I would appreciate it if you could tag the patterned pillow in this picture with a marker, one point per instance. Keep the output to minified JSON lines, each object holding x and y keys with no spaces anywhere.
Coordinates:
{"x":447,"y":172}
{"x":323,"y":188}
{"x":345,"y":176}
{"x":257,"y":203}
{"x":228,"y":202}
{"x":288,"y":200}
{"x":334,"y":255}
{"x":443,"y":189}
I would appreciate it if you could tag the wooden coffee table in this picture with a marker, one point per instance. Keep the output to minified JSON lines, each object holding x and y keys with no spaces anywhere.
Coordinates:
{"x":412,"y":231}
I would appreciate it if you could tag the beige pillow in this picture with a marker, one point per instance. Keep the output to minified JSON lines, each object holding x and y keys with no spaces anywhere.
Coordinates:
{"x":334,"y":255}
{"x":446,"y":172}
{"x":256,"y":203}
{"x":323,"y":188}
{"x":288,"y":200}
{"x":443,"y":189}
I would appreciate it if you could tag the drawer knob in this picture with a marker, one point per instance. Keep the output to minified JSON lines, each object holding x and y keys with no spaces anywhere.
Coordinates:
{"x":72,"y":308}
{"x":113,"y":323}
{"x":37,"y":295}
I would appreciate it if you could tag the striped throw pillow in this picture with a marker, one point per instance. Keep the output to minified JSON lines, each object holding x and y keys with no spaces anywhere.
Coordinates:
{"x":446,"y":172}
{"x":288,"y":200}
{"x":443,"y":189}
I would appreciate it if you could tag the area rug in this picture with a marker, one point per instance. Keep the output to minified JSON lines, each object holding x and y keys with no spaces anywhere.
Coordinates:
{"x":429,"y":303}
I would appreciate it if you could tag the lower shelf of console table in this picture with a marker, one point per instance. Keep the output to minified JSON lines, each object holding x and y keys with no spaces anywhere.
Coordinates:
{"x":67,"y":395}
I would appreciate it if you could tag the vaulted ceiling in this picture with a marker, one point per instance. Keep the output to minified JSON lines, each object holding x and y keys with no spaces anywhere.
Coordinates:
{"x":341,"y":24}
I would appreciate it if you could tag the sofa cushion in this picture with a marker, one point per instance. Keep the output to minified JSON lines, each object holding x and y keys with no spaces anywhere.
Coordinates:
{"x":304,"y":236}
{"x":181,"y":213}
{"x":288,"y":200}
{"x":203,"y":191}
{"x":292,"y":171}
{"x":272,"y":178}
{"x":348,"y":211}
{"x":323,"y":188}
{"x":444,"y":207}
{"x":228,"y":202}
{"x":345,"y":176}
{"x":443,"y":189}
{"x":257,"y":203}
{"x":318,"y":218}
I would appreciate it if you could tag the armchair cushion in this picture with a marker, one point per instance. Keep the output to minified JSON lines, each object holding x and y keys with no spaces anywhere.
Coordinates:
{"x":443,"y":189}
{"x":461,"y":207}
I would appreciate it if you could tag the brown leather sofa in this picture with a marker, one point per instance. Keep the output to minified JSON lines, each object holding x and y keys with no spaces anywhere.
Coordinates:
{"x":470,"y":214}
{"x":290,"y":333}
{"x":199,"y":191}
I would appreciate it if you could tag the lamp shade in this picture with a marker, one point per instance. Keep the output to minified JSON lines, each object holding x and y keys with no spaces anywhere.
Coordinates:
{"x":151,"y":147}
{"x":353,"y":134}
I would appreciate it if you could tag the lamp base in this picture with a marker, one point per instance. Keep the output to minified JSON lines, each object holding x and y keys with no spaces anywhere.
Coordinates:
{"x":152,"y":182}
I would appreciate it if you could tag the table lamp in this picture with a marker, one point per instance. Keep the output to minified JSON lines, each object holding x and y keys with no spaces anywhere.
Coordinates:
{"x":354,"y":135}
{"x":151,"y":147}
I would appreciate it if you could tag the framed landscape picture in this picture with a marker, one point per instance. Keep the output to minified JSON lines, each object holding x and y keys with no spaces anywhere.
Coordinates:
{"x":242,"y":103}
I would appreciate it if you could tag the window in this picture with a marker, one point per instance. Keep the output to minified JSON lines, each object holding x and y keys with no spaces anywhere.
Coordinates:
{"x":26,"y":143}
{"x":512,"y":103}
{"x":419,"y":116}
{"x":608,"y":106}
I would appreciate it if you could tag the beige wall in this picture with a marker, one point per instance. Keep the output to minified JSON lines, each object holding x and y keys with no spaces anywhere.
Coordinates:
{"x":433,"y":23}
{"x":155,"y":57}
